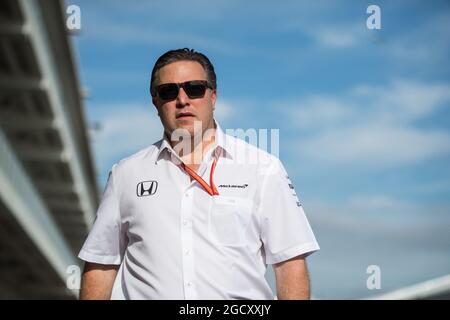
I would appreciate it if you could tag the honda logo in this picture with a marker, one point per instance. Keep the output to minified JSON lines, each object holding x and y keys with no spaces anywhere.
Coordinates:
{"x":146,"y":188}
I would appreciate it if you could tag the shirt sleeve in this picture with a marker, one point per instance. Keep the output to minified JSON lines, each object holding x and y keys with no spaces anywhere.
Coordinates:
{"x":105,"y":243}
{"x":285,"y":230}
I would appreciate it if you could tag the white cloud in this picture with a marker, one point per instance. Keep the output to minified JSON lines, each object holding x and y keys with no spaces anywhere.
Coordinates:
{"x":193,"y":11}
{"x":402,"y":100}
{"x":377,"y":214}
{"x":438,"y":186}
{"x":377,"y":202}
{"x":425,"y":44}
{"x":338,"y":36}
{"x":124,"y":130}
{"x":376,"y":146}
{"x":106,"y":29}
{"x":224,"y":110}
{"x":372,"y":125}
{"x":319,"y":111}
{"x":376,"y":229}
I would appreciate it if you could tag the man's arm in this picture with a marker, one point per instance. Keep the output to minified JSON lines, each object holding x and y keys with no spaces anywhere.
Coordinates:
{"x":292,"y":279}
{"x":97,"y":281}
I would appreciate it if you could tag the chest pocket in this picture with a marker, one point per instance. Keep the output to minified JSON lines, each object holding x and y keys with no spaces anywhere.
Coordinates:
{"x":229,"y":218}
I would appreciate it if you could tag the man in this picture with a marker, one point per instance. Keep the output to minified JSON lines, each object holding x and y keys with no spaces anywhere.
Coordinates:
{"x":190,"y":217}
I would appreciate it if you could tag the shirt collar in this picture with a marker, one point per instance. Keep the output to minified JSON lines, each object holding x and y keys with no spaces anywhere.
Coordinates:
{"x":221,"y":143}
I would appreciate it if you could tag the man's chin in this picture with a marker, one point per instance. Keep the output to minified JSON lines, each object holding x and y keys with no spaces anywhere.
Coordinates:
{"x":184,"y":129}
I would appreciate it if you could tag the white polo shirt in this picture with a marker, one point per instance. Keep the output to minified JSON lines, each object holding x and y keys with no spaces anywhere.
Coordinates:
{"x":173,"y":240}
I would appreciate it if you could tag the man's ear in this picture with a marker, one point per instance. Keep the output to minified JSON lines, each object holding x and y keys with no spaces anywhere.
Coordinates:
{"x":154,"y":103}
{"x":214,"y":99}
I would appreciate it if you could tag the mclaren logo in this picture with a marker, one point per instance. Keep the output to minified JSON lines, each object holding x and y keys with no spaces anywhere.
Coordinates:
{"x":242,"y":186}
{"x":146,"y":188}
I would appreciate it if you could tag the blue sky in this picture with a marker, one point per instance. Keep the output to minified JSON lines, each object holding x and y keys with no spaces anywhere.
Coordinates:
{"x":364,"y":115}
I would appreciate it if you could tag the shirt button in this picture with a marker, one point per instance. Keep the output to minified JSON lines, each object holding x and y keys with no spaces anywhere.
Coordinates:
{"x":187,"y":252}
{"x":186,"y":223}
{"x":189,"y":284}
{"x":186,"y":195}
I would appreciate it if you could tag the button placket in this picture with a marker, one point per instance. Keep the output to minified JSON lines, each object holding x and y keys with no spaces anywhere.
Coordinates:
{"x":187,"y":245}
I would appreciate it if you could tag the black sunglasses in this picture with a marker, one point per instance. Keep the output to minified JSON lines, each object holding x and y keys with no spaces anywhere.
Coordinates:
{"x":194,"y":89}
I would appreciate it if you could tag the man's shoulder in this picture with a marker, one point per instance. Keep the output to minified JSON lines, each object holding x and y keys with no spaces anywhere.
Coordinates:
{"x":138,"y":157}
{"x":250,"y":153}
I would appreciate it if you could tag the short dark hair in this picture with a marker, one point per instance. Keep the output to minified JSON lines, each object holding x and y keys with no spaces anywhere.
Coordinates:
{"x":184,"y":54}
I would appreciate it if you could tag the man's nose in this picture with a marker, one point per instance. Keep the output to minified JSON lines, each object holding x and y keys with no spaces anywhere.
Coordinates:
{"x":182,"y":98}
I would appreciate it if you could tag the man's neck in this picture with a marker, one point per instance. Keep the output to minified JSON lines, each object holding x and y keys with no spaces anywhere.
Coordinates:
{"x":193,"y":150}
